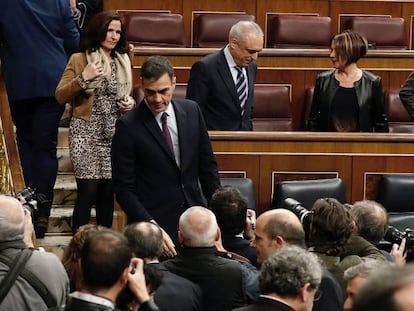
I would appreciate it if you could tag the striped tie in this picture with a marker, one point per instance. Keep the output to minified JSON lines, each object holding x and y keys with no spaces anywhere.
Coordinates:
{"x":241,"y":87}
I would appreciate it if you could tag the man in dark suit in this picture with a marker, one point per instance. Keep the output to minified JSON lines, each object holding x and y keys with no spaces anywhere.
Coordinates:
{"x":162,"y":159}
{"x":277,"y":228}
{"x":223,"y":83}
{"x":32,"y":64}
{"x":289,"y":281}
{"x":233,"y":217}
{"x":175,"y":293}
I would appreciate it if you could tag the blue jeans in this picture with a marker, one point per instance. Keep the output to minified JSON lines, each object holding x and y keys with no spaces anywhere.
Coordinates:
{"x":37,"y":121}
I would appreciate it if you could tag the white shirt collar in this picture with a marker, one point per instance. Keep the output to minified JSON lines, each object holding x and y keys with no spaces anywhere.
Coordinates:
{"x":94,"y":299}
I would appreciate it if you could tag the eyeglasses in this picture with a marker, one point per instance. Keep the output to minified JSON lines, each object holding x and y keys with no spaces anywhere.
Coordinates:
{"x":318,"y":295}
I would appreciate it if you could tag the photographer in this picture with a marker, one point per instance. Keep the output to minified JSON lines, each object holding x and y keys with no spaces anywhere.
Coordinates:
{"x":49,"y":285}
{"x":106,"y":269}
{"x":331,"y":226}
{"x":371,"y":223}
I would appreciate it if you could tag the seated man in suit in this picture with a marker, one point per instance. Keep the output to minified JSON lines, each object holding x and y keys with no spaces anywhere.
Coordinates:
{"x":225,"y":283}
{"x":174,"y":292}
{"x":223,"y":83}
{"x":162,"y":159}
{"x":289,"y":281}
{"x":230,"y":207}
{"x":278,"y":228}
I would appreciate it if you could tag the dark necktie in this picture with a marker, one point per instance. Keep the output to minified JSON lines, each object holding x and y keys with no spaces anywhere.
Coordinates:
{"x":241,"y":87}
{"x":166,"y":131}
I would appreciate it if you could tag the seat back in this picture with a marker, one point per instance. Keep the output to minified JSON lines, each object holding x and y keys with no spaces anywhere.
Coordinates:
{"x":272,"y":108}
{"x":307,"y":105}
{"x":246,"y":187}
{"x":154,"y":29}
{"x":298,"y":31}
{"x":395,"y":194}
{"x":399,"y":121}
{"x":308,"y":191}
{"x":211,"y":30}
{"x":382,"y":32}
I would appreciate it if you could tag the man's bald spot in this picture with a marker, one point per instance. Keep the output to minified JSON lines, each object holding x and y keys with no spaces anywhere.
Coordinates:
{"x":11,"y":209}
{"x":282,"y":215}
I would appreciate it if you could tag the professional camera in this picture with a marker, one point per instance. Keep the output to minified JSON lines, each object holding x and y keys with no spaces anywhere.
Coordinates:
{"x":32,"y":201}
{"x":300,"y":211}
{"x":395,"y":236}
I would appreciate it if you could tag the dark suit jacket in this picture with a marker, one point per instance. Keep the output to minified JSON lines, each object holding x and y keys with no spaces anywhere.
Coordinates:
{"x":265,"y":304}
{"x":241,"y":247}
{"x":177,"y":293}
{"x":211,"y":85}
{"x":148,"y":182}
{"x":34,"y":39}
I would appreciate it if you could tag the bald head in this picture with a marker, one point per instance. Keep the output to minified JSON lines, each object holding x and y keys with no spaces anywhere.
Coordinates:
{"x":145,"y":239}
{"x":198,"y":227}
{"x":274,"y":229}
{"x":12,"y":219}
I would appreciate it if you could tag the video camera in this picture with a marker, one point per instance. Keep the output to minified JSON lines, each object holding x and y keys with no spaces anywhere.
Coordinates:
{"x":395,"y":236}
{"x":301,"y":212}
{"x":32,"y":201}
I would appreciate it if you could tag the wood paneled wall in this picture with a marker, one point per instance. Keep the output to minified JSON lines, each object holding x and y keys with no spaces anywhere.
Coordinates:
{"x":297,"y":68}
{"x":259,"y":8}
{"x":360,"y":159}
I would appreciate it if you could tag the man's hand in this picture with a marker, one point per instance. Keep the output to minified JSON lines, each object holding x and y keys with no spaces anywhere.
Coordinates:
{"x":398,"y":253}
{"x":168,"y":245}
{"x":136,"y":281}
{"x":28,"y":229}
{"x":250,"y":223}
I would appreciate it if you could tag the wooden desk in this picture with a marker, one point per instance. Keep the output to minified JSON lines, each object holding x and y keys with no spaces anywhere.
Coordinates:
{"x":268,"y":157}
{"x":294,"y":67}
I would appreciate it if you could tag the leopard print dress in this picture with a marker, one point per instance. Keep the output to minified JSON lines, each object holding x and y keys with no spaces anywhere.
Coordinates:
{"x":90,"y":141}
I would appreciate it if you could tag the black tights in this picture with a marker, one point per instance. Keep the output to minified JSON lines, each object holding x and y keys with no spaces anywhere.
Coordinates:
{"x":98,"y":192}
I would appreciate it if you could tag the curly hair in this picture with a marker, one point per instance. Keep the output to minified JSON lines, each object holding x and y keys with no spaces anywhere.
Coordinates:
{"x":331,"y":225}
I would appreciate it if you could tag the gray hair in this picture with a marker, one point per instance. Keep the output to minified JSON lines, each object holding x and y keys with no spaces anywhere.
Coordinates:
{"x":198,"y":227}
{"x":377,"y":292}
{"x":12,"y":219}
{"x":365,"y":268}
{"x":242,"y":29}
{"x":288,"y":270}
{"x":371,"y":219}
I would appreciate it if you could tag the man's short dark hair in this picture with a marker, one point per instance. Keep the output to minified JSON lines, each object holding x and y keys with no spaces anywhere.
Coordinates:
{"x":230,"y":207}
{"x":291,"y":233}
{"x":145,"y":239}
{"x":104,"y":257}
{"x":155,"y":67}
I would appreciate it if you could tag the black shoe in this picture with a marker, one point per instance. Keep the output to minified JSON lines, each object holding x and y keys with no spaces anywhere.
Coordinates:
{"x":40,"y":227}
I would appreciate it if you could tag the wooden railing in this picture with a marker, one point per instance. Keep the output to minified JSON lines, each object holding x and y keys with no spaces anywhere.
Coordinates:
{"x":360,"y":159}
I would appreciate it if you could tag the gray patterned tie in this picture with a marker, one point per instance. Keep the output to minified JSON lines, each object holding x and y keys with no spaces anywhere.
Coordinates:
{"x":241,"y":87}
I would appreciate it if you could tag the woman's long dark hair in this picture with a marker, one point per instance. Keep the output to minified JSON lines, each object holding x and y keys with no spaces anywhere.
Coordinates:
{"x":96,"y":33}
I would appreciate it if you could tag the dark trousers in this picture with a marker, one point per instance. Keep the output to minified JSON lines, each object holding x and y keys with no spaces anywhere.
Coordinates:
{"x":93,"y":192}
{"x":37,"y":122}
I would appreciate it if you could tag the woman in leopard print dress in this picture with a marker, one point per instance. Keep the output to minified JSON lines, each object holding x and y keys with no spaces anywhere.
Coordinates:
{"x":98,"y":82}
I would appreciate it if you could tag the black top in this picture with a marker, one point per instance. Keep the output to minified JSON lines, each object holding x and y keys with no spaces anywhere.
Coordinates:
{"x":345,"y":110}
